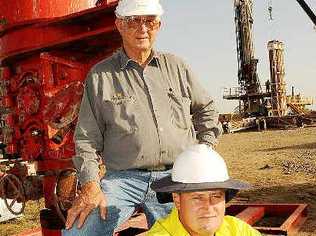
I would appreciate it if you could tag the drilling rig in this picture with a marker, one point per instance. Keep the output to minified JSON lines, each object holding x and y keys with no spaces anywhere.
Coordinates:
{"x":249,"y":93}
{"x":269,"y":104}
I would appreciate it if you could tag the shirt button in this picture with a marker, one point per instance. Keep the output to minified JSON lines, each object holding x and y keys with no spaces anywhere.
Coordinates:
{"x":161,"y":129}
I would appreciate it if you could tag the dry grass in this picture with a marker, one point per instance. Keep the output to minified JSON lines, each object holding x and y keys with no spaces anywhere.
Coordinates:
{"x":279,"y":164}
{"x":29,"y":221}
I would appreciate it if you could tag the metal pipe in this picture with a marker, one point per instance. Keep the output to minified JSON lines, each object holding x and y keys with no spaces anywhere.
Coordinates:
{"x":293,"y":91}
{"x":307,"y":10}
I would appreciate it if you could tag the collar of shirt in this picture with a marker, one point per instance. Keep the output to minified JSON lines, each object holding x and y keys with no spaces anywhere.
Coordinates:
{"x":125,"y":60}
{"x":173,"y":225}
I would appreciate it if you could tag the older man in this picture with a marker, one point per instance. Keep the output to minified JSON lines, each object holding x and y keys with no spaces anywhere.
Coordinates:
{"x":200,"y":186}
{"x":140,"y":109}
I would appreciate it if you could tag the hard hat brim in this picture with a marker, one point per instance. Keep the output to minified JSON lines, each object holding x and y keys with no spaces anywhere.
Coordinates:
{"x":166,"y":185}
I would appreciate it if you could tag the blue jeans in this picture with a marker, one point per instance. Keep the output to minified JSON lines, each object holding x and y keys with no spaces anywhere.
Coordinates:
{"x":125,"y":191}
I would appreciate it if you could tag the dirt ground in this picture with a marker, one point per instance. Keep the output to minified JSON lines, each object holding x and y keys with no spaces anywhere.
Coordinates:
{"x":280,"y":164}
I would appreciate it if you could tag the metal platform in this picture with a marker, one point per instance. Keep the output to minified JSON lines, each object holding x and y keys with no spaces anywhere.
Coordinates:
{"x":272,"y":219}
{"x":268,"y":218}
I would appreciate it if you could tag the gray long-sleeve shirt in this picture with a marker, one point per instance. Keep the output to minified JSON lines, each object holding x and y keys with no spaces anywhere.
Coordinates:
{"x":141,"y":117}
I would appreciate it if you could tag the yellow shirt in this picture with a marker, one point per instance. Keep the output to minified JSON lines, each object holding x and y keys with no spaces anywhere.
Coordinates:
{"x":171,"y":226}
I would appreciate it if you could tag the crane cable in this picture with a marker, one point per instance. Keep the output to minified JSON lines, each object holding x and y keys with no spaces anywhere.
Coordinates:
{"x":270,"y":8}
{"x":272,"y":22}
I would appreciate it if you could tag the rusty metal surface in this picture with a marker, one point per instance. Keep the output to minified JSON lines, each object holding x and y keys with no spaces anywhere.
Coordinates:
{"x":15,"y":11}
{"x":251,"y":214}
{"x":294,"y":216}
{"x":247,"y":63}
{"x":296,"y":219}
{"x":41,"y":81}
{"x":289,"y":121}
{"x":96,"y":22}
{"x":277,"y":81}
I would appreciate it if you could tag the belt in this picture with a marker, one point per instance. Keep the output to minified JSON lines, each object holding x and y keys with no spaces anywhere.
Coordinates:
{"x":155,"y":168}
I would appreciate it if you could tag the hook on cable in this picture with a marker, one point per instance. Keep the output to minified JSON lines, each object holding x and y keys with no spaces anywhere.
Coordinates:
{"x":270,"y":10}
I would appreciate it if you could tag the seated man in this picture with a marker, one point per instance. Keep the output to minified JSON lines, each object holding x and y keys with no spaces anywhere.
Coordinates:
{"x":200,"y":187}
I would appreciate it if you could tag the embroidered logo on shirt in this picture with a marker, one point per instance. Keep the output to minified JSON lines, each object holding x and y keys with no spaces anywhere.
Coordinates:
{"x":120,"y":98}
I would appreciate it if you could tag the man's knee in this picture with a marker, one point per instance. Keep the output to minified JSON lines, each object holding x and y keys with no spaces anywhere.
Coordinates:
{"x":91,"y":227}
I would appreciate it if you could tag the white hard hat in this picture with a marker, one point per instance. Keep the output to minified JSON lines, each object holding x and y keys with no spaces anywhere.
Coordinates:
{"x":138,"y":8}
{"x":198,"y":168}
{"x":199,"y":164}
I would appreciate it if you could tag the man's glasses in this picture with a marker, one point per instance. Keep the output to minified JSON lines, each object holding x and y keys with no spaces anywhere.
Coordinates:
{"x":134,"y":22}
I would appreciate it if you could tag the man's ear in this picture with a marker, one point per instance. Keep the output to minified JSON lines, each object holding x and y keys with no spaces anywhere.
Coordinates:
{"x":119,"y":24}
{"x":159,"y":24}
{"x":176,"y":200}
{"x":159,"y":27}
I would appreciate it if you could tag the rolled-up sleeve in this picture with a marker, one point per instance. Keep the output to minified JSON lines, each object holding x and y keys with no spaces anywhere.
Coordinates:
{"x":204,"y":113}
{"x":89,"y":132}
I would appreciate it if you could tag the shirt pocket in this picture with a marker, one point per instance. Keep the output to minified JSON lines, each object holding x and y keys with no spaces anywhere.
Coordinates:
{"x":122,"y":115}
{"x":180,"y":110}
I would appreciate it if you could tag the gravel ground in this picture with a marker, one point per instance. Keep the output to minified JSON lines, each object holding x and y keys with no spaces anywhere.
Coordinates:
{"x":280,"y":164}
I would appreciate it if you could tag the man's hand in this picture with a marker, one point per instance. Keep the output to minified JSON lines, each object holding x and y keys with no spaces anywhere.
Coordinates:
{"x":89,"y":198}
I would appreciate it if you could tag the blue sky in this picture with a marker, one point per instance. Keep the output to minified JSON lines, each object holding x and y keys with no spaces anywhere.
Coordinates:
{"x":203,"y":33}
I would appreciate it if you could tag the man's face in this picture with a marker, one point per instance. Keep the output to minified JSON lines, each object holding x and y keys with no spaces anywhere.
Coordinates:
{"x":201,"y":213}
{"x":138,"y":32}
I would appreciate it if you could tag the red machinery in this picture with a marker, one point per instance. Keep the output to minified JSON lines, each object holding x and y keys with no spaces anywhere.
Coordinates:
{"x":46,"y":49}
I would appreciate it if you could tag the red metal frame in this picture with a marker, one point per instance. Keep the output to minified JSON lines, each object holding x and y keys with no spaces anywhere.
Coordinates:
{"x":46,"y":50}
{"x":21,"y":11}
{"x":59,"y":31}
{"x":294,"y":215}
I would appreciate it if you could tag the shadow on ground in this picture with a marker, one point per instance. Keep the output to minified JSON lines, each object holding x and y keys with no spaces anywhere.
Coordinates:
{"x":298,"y":147}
